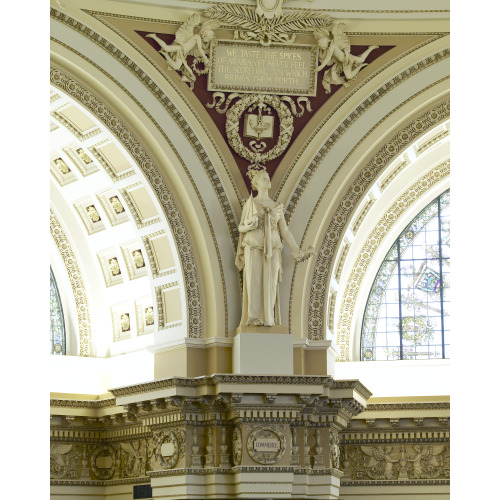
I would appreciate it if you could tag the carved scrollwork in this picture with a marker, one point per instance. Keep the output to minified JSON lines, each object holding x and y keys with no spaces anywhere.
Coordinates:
{"x":334,"y":448}
{"x":167,"y":449}
{"x":237,"y":446}
{"x":398,"y":462}
{"x":103,"y":462}
{"x":136,"y":457}
{"x":63,"y":461}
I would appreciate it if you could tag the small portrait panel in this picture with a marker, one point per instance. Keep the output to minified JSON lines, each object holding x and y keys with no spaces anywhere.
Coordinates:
{"x":138,"y":259}
{"x":61,"y":165}
{"x":84,"y":156}
{"x":114,"y":267}
{"x":116,"y":204}
{"x":93,"y":213}
{"x":125,"y":322}
{"x":149,"y":316}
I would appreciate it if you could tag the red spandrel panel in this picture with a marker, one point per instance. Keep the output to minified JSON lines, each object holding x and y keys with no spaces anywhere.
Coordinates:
{"x":321,"y":99}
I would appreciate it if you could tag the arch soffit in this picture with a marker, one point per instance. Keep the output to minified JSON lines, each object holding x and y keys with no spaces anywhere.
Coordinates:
{"x":104,"y":114}
{"x":85,"y":342}
{"x":309,"y":305}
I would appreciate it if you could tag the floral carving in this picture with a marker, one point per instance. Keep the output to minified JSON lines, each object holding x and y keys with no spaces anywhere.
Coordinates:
{"x":258,"y":25}
{"x":64,"y":461}
{"x":398,"y":462}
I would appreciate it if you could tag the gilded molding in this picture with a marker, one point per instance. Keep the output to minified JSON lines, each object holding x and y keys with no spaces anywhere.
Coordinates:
{"x":404,"y":163}
{"x":342,"y":335}
{"x":342,"y":258}
{"x":331,"y":309}
{"x":77,"y":285}
{"x":135,"y":149}
{"x":363,"y":214}
{"x":375,"y":166}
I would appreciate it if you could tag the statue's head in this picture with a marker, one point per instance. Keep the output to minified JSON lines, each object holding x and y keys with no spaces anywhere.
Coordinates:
{"x":259,"y":178}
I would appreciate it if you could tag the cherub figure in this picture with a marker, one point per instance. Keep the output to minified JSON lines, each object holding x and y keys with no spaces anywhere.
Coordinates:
{"x":335,"y":51}
{"x":186,"y":43}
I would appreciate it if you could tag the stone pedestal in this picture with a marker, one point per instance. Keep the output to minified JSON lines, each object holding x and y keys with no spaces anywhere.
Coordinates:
{"x":259,"y":352}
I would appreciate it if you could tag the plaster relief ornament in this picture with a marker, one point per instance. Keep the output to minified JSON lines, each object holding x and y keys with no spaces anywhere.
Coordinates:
{"x":93,"y":214}
{"x":266,"y":23}
{"x":237,"y":446}
{"x":167,"y":449}
{"x":84,"y":156}
{"x":60,"y":459}
{"x":133,"y":458}
{"x":138,"y":259}
{"x":334,"y":448}
{"x":102,"y":462}
{"x":262,"y":228}
{"x":125,"y":322}
{"x":149,"y":316}
{"x":381,"y":462}
{"x":266,"y":445}
{"x":114,"y":266}
{"x":266,"y":148}
{"x":116,"y":204}
{"x":188,"y":43}
{"x":335,"y":51}
{"x":62,"y":166}
{"x":426,"y":461}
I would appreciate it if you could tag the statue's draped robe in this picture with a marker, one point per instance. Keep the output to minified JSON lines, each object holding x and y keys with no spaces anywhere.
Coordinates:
{"x":259,"y":256}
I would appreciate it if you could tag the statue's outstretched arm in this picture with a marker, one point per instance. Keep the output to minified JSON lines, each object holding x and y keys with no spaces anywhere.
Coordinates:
{"x":288,"y":238}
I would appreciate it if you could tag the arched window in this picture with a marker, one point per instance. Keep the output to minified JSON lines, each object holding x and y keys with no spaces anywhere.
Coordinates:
{"x":407,"y":314}
{"x":57,"y":330}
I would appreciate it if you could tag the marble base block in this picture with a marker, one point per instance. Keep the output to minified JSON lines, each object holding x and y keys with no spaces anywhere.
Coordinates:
{"x":263,"y":354}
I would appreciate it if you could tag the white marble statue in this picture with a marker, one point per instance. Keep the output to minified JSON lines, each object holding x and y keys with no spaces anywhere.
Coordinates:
{"x":262,"y":228}
{"x":335,"y":51}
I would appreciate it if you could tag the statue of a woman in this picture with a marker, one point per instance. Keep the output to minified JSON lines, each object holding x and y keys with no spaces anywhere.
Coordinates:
{"x":262,"y":228}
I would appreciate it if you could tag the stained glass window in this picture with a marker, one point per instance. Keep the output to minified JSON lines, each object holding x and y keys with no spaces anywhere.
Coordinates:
{"x":57,"y":331}
{"x":408,"y":309}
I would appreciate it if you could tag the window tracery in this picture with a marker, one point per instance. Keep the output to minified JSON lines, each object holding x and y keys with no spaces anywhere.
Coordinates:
{"x":407,"y":313}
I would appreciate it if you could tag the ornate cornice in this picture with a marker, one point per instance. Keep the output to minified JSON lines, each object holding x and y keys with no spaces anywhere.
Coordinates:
{"x":413,"y":482}
{"x":370,"y":246}
{"x":78,"y":92}
{"x":407,"y":406}
{"x":86,"y":347}
{"x":91,"y":482}
{"x":346,"y":208}
{"x":70,"y":403}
